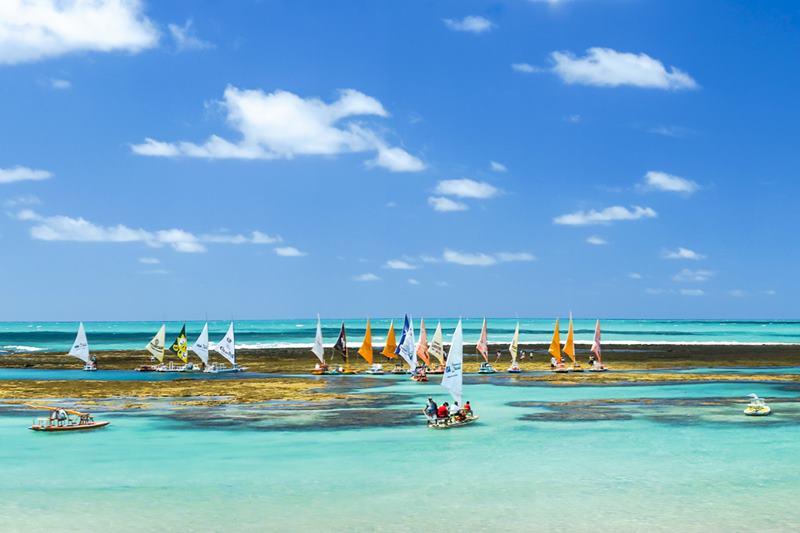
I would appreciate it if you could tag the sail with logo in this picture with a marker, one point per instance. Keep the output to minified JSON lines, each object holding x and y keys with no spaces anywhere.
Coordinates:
{"x":453,"y":382}
{"x":407,"y":349}
{"x":156,"y":344}
{"x":200,"y":346}
{"x":80,"y":349}
{"x":226,"y":347}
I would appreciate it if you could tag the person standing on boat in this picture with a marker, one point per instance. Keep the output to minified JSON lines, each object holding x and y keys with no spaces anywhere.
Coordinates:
{"x":431,"y":408}
{"x":61,"y":417}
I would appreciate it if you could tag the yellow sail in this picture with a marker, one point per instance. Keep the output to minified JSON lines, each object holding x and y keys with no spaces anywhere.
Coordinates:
{"x":391,"y":343}
{"x":569,"y":346}
{"x":437,"y":346}
{"x":366,"y":347}
{"x":555,"y":345}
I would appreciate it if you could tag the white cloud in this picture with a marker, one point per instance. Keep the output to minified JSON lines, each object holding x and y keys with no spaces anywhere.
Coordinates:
{"x":149,"y":260}
{"x":289,"y":251}
{"x":634,"y":275}
{"x":446,"y":205}
{"x":17,"y":201}
{"x":412,"y":281}
{"x":526,"y":68}
{"x":596,"y":241}
{"x":737,"y":293}
{"x":399,"y":264}
{"x":471,"y":24}
{"x":71,"y":229}
{"x":34,"y":30}
{"x":258,"y":237}
{"x":185,"y":37}
{"x":59,"y":84}
{"x":605,"y":216}
{"x":661,"y":181}
{"x":484,"y":259}
{"x":467,"y":188}
{"x":19,"y":173}
{"x":695,"y":276}
{"x":283,"y":125}
{"x":683,"y":253}
{"x":692,"y":292}
{"x":497,"y":167}
{"x":605,"y":67}
{"x":369,"y":276}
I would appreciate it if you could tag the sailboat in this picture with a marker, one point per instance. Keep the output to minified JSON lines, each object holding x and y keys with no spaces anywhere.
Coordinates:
{"x":436,"y":350}
{"x":226,"y":347}
{"x":319,"y":350}
{"x":483,"y":349}
{"x":556,"y":364}
{"x":180,"y":348}
{"x":80,"y":349}
{"x":421,"y":373}
{"x":156,"y":349}
{"x":513,"y":348}
{"x":340,"y":347}
{"x":569,"y":347}
{"x":366,"y":352}
{"x":453,"y":381}
{"x":200,"y":346}
{"x":407,"y":349}
{"x":390,"y":348}
{"x":597,"y":363}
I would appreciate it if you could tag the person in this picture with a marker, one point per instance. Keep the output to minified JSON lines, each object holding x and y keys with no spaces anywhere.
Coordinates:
{"x":467,"y":408}
{"x":592,"y":359}
{"x":431,"y":408}
{"x":443,"y":411}
{"x":62,"y":417}
{"x":497,"y":357}
{"x":553,"y":362}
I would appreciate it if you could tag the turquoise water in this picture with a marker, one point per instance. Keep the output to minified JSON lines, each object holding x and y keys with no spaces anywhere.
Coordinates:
{"x":678,"y":457}
{"x":58,"y":336}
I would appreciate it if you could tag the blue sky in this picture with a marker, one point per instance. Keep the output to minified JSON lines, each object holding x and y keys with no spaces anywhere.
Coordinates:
{"x":171,"y":160}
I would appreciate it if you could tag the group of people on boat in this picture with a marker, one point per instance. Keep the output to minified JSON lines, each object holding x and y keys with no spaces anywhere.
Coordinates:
{"x":445,"y":412}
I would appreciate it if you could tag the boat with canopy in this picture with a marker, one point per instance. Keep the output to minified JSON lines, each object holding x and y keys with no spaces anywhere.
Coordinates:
{"x":556,"y":364}
{"x":453,"y":382}
{"x":62,"y":420}
{"x":483,"y":348}
{"x":80,"y":349}
{"x":226,"y":347}
{"x":513,"y":349}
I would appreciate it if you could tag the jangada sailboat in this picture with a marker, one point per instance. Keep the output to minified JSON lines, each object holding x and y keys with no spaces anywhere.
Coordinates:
{"x":407,"y":348}
{"x":156,"y":349}
{"x":226,"y":347}
{"x":319,"y":350}
{"x":436,"y":350}
{"x":569,"y":347}
{"x":179,"y":348}
{"x":597,"y":362}
{"x":366,"y":352}
{"x":483,"y":349}
{"x":556,"y":364}
{"x":513,"y":348}
{"x":80,"y":349}
{"x":390,"y":348}
{"x":340,"y":347}
{"x":200,"y":346}
{"x":421,"y":373}
{"x":453,"y":381}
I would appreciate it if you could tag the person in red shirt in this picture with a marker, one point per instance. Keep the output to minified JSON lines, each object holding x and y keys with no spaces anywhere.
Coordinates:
{"x":443,"y":411}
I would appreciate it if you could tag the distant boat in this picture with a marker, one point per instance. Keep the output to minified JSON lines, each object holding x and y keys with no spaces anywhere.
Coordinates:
{"x":366,"y":352}
{"x":340,"y":347}
{"x":200,"y":346}
{"x":407,"y":349}
{"x":453,"y":381}
{"x":80,"y":349}
{"x":226,"y":347}
{"x":422,"y":345}
{"x":513,"y":349}
{"x":483,"y":349}
{"x":597,"y":364}
{"x":436,"y":350}
{"x":569,"y":347}
{"x":556,"y":364}
{"x":319,"y":350}
{"x":179,"y":348}
{"x":757,"y":407}
{"x":61,"y":419}
{"x":389,"y":349}
{"x":156,"y":349}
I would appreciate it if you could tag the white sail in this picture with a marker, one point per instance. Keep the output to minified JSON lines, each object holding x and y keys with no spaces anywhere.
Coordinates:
{"x":80,"y":348}
{"x":156,"y":344}
{"x":514,"y":346}
{"x":407,"y":349}
{"x":226,"y":347}
{"x":200,"y":346}
{"x":318,"y":349}
{"x":437,"y":345}
{"x":453,"y":378}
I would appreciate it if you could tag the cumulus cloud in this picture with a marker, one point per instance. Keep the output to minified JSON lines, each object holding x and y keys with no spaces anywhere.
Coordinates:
{"x":19,"y":173}
{"x":494,"y":166}
{"x":369,"y":276}
{"x":71,"y":229}
{"x":605,"y":216}
{"x":289,"y":251}
{"x":693,"y":276}
{"x":399,"y":264}
{"x":596,"y":241}
{"x":661,"y":181}
{"x":185,"y":37}
{"x":682,"y":253}
{"x":484,"y":259}
{"x":35,"y":30}
{"x":604,"y":67}
{"x":467,"y":188}
{"x":446,"y":205}
{"x":471,"y":24}
{"x":526,"y":68}
{"x":283,"y":125}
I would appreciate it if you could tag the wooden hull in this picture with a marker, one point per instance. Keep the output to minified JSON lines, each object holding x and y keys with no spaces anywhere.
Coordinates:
{"x":76,"y":427}
{"x":452,"y":423}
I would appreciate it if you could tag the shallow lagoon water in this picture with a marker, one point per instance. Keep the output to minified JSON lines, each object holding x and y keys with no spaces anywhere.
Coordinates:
{"x":677,"y":462}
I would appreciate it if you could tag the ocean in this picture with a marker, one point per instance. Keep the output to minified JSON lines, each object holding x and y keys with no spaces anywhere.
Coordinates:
{"x":58,"y":336}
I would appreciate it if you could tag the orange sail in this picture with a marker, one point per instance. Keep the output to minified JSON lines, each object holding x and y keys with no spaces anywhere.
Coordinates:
{"x":422,"y":347}
{"x":483,"y":343}
{"x":569,"y":346}
{"x":366,"y":346}
{"x":555,"y":345}
{"x":391,"y":343}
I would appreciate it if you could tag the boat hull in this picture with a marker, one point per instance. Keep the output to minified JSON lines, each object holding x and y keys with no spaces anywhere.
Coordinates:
{"x":76,"y":427}
{"x":451,"y":423}
{"x":757,"y":411}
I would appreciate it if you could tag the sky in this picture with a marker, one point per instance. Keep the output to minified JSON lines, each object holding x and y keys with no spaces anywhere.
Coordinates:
{"x":282,"y":158}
